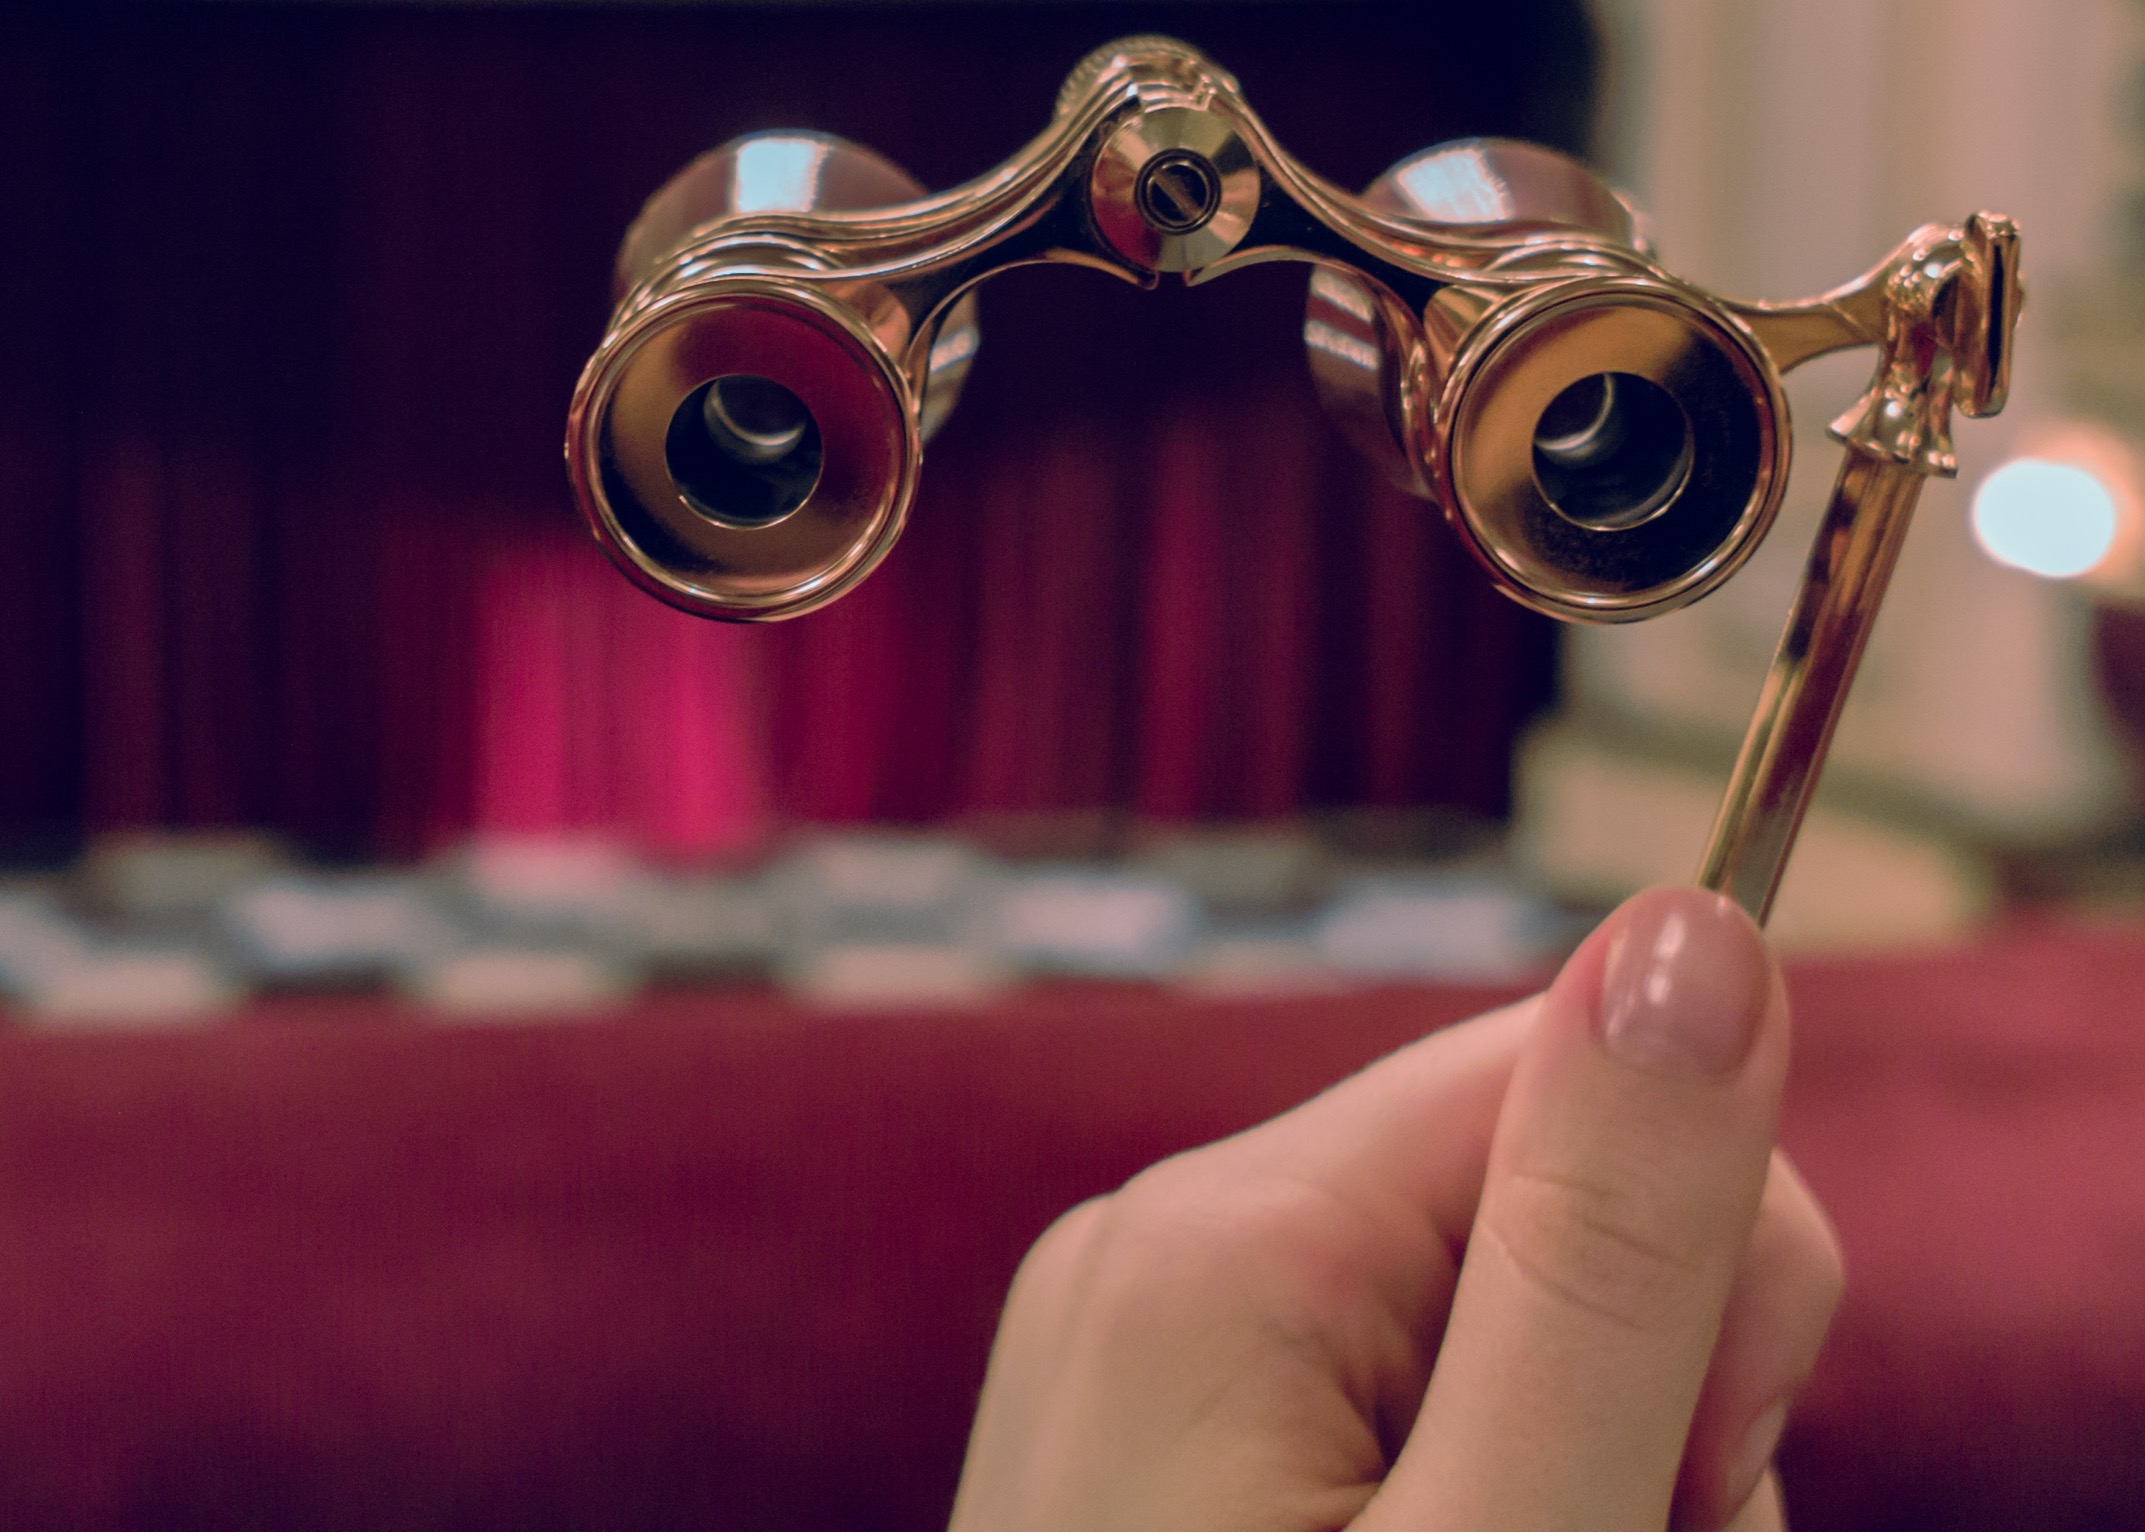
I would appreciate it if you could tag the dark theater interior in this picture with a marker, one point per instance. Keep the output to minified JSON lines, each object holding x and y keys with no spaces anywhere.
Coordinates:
{"x":483,"y":1047}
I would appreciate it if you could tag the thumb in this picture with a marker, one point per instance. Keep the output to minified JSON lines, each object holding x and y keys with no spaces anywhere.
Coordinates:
{"x":1623,"y":1183}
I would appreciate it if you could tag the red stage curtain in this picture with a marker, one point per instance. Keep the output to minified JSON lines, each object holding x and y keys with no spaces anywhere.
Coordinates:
{"x":296,"y":296}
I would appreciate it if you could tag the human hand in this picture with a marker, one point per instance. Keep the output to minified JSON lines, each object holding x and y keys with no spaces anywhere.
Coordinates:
{"x":1540,"y":1270}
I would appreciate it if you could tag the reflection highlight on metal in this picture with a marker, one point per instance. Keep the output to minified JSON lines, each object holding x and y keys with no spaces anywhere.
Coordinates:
{"x":1487,"y":322}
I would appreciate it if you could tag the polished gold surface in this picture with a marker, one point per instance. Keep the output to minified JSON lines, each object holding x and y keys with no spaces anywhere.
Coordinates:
{"x":1153,"y":163}
{"x":1677,"y":522}
{"x":1858,"y":544}
{"x":1487,"y":322}
{"x":709,"y":520}
{"x":706,"y":549}
{"x":1357,"y":333}
{"x":1174,"y":189}
{"x":1950,"y":300}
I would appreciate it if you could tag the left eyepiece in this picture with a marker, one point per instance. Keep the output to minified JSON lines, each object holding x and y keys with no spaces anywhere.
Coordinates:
{"x":744,"y":449}
{"x":744,"y":444}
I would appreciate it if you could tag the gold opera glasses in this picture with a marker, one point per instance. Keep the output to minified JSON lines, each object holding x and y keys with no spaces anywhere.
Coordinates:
{"x":1486,"y":322}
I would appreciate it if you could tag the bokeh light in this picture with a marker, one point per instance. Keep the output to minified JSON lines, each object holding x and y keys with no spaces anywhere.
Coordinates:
{"x":2046,"y":517}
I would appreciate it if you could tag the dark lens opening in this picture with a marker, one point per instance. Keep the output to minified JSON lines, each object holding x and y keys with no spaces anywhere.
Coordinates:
{"x":743,"y":450}
{"x":1611,"y":451}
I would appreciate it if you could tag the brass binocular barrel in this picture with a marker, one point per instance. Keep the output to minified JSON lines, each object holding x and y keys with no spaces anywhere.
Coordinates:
{"x":1487,"y":322}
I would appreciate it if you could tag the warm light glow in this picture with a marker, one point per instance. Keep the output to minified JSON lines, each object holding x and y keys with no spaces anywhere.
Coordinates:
{"x":2045,"y":517}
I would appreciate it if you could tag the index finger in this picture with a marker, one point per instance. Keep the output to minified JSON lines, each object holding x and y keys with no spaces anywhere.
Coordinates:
{"x":1622,"y":1186}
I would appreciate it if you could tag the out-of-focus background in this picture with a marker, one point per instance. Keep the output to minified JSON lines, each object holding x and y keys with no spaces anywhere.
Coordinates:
{"x":479,"y":1047}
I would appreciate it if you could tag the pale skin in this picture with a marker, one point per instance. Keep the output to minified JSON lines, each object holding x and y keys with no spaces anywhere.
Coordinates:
{"x":1544,"y":1269}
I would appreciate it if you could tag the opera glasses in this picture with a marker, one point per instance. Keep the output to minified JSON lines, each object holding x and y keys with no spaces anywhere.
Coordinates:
{"x":1487,"y":322}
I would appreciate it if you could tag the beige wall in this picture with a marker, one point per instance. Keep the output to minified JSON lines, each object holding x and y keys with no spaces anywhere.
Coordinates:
{"x":1781,"y":148}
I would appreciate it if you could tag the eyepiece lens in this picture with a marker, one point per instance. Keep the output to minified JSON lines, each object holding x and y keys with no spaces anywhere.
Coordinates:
{"x":1611,"y":451}
{"x":743,"y":450}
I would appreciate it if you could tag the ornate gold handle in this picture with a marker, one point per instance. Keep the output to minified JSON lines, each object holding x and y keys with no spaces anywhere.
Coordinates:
{"x":796,"y":316}
{"x":1948,"y":300}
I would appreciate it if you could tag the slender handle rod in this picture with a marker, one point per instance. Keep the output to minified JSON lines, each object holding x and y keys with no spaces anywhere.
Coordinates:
{"x":1857,"y":547}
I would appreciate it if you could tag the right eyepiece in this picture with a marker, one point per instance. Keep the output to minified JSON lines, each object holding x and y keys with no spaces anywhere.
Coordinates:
{"x":1611,"y":451}
{"x":1612,"y":448}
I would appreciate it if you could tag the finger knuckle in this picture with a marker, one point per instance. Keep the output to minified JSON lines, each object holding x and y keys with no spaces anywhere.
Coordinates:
{"x":1796,"y":1242}
{"x":1601,"y":1249}
{"x":1816,"y":1265}
{"x":1193,"y":1238}
{"x":1059,"y":1248}
{"x":1832,"y":1272}
{"x":1156,"y":1248}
